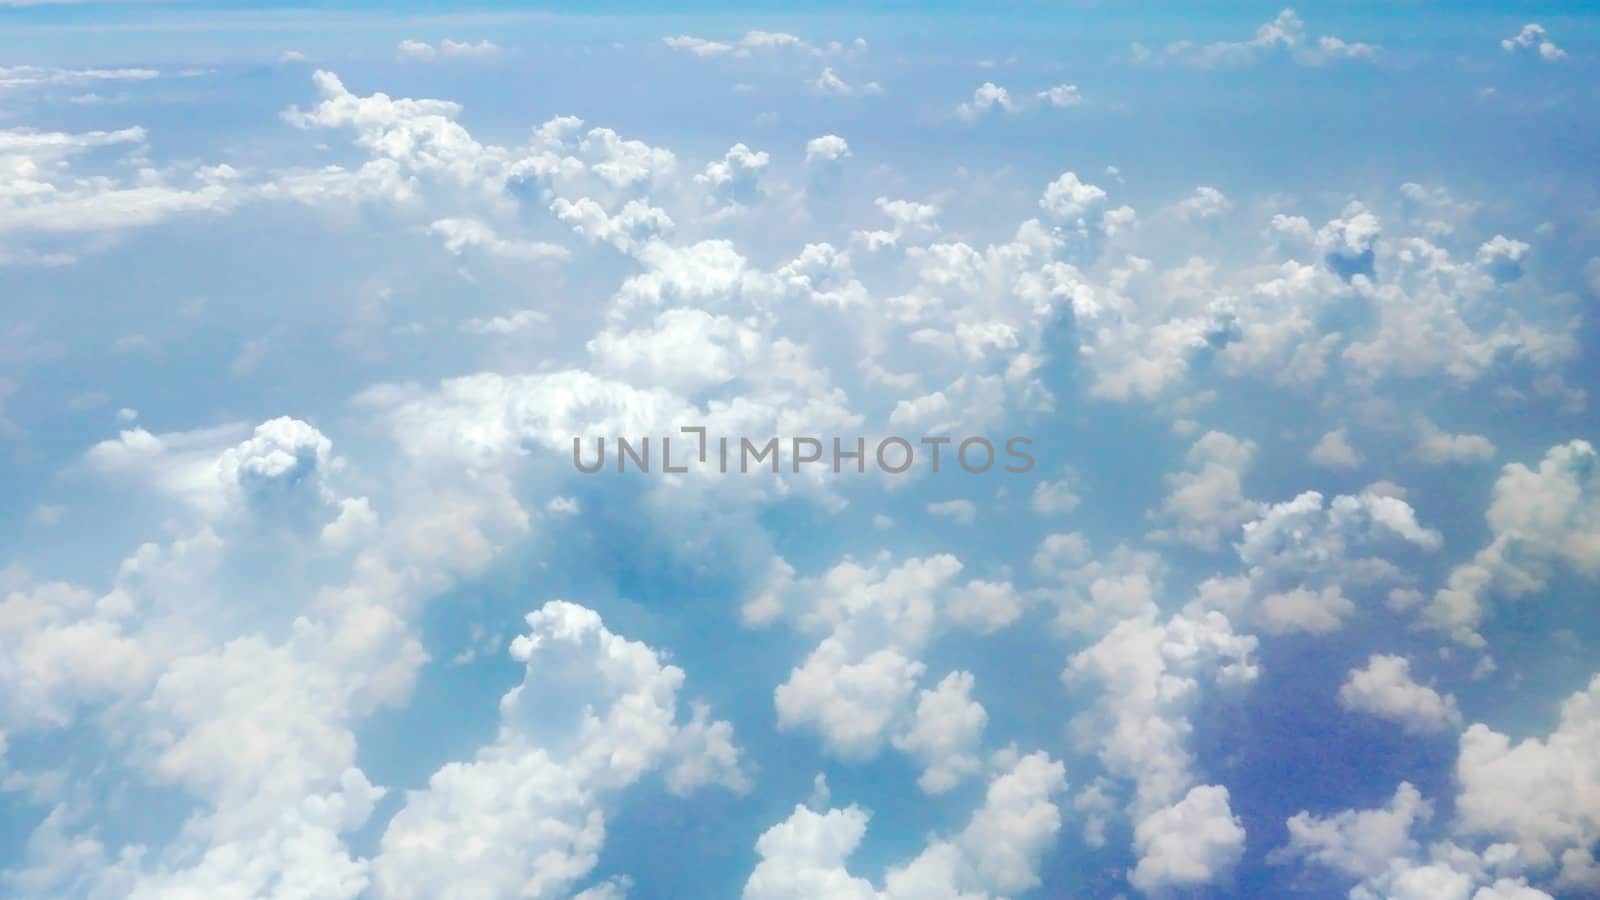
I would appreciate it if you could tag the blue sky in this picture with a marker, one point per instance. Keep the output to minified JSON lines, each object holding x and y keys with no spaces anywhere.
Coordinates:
{"x":301,"y":309}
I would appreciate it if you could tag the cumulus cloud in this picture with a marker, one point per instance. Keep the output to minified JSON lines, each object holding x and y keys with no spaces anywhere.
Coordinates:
{"x":1333,"y":451}
{"x":1304,"y":558}
{"x":461,"y":236}
{"x":1151,"y":671}
{"x":1196,"y":841}
{"x":1283,"y":37}
{"x":1439,"y":447}
{"x":962,"y":512}
{"x":1537,"y":517}
{"x":1534,"y":39}
{"x":1359,"y":843}
{"x":996,"y":853}
{"x":1068,"y":197}
{"x":988,"y":96}
{"x":593,"y":713}
{"x":1062,"y":96}
{"x":1207,"y":501}
{"x":1385,"y":689}
{"x":830,"y":84}
{"x":1543,"y":794}
{"x":736,"y":178}
{"x":828,"y":148}
{"x":944,"y":733}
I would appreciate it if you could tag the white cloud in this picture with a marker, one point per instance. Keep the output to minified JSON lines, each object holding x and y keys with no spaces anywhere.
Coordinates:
{"x":1196,"y":841}
{"x":1537,"y":517}
{"x":996,"y":853}
{"x":1533,"y":37}
{"x":961,"y":512}
{"x":1385,"y":689}
{"x":1206,"y":203}
{"x":1096,"y":594}
{"x":23,"y":77}
{"x":1054,"y":498}
{"x":697,"y":46}
{"x":463,"y":235}
{"x":1070,"y":198}
{"x":1062,"y":96}
{"x":944,"y":733}
{"x":41,"y":194}
{"x":515,"y":323}
{"x":593,"y":713}
{"x":1284,"y":36}
{"x":1333,"y":451}
{"x":1502,"y":258}
{"x":829,"y":147}
{"x":829,"y":83}
{"x":757,"y":41}
{"x":1437,"y":447}
{"x":1207,"y":502}
{"x":448,"y":49}
{"x":1151,"y":674}
{"x":1359,"y":843}
{"x":1542,"y":794}
{"x":987,"y":96}
{"x":1304,"y":557}
{"x":736,"y":178}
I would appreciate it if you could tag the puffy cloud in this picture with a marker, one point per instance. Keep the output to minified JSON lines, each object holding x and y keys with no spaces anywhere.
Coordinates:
{"x":1534,"y":38}
{"x":851,"y":699}
{"x":1284,"y":36}
{"x":1207,"y":502}
{"x":985,"y":606}
{"x":1095,"y":594}
{"x":41,"y":194}
{"x":1054,"y":498}
{"x":1537,"y":517}
{"x":831,"y":84}
{"x":1438,"y":447}
{"x":1062,"y":96}
{"x":857,"y":683}
{"x":1333,"y":451}
{"x":629,"y":229}
{"x":593,"y":713}
{"x":828,"y":148}
{"x":1502,"y":258}
{"x":1347,"y":243}
{"x":944,"y":733}
{"x":1543,"y":794}
{"x":1206,"y":203}
{"x":1385,"y":689}
{"x":1304,"y":556}
{"x":1151,"y":674}
{"x":962,"y":512}
{"x":1196,"y":841}
{"x":1359,"y":843}
{"x":463,"y":235}
{"x":988,"y":96}
{"x":520,"y":321}
{"x":995,"y":854}
{"x":804,"y":856}
{"x":281,"y":467}
{"x":736,"y":178}
{"x":1070,"y":198}
{"x":909,"y":217}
